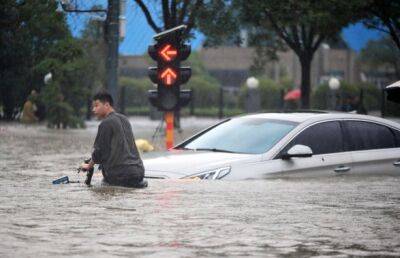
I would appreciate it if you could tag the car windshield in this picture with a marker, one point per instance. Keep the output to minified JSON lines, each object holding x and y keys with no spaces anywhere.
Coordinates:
{"x":242,"y":135}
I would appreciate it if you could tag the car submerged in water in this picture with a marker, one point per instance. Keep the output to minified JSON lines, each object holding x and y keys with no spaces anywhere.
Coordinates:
{"x":285,"y":145}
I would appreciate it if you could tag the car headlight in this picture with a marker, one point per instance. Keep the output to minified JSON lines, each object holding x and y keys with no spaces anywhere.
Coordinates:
{"x":212,"y":174}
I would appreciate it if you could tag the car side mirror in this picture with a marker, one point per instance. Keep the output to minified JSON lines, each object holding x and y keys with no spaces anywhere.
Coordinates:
{"x":298,"y":151}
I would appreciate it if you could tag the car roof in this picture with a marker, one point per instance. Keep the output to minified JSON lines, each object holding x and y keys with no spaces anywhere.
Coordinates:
{"x":293,"y":117}
{"x":300,"y":117}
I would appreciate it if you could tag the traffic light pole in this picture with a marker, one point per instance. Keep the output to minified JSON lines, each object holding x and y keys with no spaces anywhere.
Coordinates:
{"x":169,"y":131}
{"x":112,"y":38}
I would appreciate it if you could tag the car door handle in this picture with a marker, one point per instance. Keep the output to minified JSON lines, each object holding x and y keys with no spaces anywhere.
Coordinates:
{"x":396,"y":163}
{"x":341,"y":169}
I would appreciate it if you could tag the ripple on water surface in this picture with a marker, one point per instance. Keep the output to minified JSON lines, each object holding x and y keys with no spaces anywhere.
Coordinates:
{"x":338,"y":216}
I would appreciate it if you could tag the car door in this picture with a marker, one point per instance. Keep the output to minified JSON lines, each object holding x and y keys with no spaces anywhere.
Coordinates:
{"x":373,"y":147}
{"x":326,"y":141}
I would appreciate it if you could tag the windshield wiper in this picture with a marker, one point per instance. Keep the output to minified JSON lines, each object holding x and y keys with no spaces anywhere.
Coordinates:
{"x":182,"y":148}
{"x":214,"y":150}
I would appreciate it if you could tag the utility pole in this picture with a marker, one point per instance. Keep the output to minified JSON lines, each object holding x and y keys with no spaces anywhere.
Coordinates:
{"x":112,"y":40}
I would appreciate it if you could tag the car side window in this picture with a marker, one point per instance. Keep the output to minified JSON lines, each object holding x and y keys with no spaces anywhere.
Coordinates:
{"x":362,"y":135}
{"x":322,"y":138}
{"x":397,"y":136}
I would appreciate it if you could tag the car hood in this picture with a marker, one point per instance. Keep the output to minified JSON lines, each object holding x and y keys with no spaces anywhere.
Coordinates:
{"x":180,"y":163}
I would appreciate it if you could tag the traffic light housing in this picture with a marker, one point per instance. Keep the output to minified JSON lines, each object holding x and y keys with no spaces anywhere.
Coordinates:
{"x":169,"y":51}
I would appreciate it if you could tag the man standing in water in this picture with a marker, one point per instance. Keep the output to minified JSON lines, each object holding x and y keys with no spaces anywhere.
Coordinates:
{"x":114,"y":147}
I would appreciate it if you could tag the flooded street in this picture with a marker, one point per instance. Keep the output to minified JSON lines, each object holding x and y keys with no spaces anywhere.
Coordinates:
{"x":337,"y":216}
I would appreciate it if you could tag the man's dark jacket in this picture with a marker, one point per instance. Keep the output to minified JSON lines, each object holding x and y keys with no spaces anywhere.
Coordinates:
{"x":115,"y":150}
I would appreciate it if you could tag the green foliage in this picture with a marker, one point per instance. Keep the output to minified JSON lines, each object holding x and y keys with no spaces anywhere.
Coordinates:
{"x":372,"y":96}
{"x":35,"y":40}
{"x":59,"y":112}
{"x":95,"y":53}
{"x":196,"y":64}
{"x":270,"y":93}
{"x":66,"y":60}
{"x":383,"y":15}
{"x":379,"y":55}
{"x":205,"y":87}
{"x":205,"y":90}
{"x":218,"y":20}
{"x":135,"y":91}
{"x":301,"y":24}
{"x":205,"y":112}
{"x":27,"y":30}
{"x":286,"y":83}
{"x":213,"y":112}
{"x":321,"y":95}
{"x":137,"y":111}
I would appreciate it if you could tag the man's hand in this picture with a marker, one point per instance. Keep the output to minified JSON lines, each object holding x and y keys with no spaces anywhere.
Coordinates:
{"x":86,"y":166}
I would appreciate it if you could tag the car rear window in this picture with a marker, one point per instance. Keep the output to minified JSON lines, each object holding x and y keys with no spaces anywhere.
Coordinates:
{"x":397,"y":136}
{"x":362,"y":135}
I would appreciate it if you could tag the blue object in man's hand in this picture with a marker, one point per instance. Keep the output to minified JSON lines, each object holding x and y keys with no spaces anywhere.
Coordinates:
{"x":61,"y":180}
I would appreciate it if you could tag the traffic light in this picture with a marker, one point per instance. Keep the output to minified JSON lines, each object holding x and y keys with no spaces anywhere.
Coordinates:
{"x":169,"y":51}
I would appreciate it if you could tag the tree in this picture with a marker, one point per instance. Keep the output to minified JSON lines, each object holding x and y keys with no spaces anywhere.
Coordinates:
{"x":302,"y":25}
{"x":384,"y":15}
{"x":26,"y":34}
{"x":194,"y":14}
{"x":379,"y":54}
{"x":205,"y":87}
{"x":95,"y":49}
{"x":174,"y":13}
{"x":72,"y":75}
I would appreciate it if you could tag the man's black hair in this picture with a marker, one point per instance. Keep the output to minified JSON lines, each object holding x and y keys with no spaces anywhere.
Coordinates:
{"x":104,"y":97}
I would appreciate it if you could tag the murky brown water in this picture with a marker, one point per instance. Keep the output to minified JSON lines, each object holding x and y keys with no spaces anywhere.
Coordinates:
{"x":339,"y":217}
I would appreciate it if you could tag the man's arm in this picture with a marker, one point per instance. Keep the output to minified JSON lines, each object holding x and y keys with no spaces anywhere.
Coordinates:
{"x":101,"y":146}
{"x":102,"y":143}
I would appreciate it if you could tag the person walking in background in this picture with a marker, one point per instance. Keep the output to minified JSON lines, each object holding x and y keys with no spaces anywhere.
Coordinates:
{"x":29,"y":109}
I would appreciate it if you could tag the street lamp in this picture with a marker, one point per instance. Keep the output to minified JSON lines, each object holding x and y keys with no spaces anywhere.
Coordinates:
{"x":253,"y":98}
{"x":334,"y":85}
{"x":252,"y":83}
{"x":47,"y":78}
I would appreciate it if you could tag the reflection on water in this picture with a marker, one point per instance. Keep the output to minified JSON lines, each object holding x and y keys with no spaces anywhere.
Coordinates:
{"x":337,"y":216}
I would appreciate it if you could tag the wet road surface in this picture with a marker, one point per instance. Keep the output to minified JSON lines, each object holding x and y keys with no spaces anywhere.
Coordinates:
{"x":336,"y":217}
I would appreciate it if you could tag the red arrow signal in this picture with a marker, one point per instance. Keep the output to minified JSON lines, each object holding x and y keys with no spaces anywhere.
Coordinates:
{"x":168,"y":76}
{"x":168,"y":53}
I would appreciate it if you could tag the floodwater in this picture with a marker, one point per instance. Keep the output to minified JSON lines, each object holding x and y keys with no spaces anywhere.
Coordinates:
{"x":335,"y":217}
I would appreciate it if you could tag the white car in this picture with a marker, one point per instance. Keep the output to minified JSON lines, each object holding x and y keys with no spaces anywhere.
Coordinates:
{"x":284,"y":144}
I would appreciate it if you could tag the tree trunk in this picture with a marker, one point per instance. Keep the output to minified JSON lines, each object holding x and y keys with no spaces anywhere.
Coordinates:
{"x":8,"y":104}
{"x":305,"y":62}
{"x":393,"y":32}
